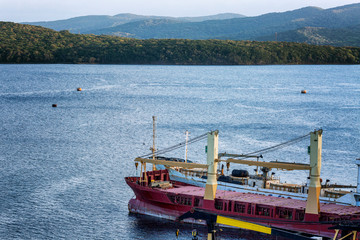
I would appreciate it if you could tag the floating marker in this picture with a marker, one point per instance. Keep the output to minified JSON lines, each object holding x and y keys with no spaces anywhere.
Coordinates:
{"x":303,"y":91}
{"x":79,"y":89}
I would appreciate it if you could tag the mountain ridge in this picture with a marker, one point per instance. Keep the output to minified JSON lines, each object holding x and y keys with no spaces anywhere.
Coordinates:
{"x":225,"y":26}
{"x":81,"y":24}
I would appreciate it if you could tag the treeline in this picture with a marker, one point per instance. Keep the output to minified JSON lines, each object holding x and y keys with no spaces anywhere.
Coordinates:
{"x":21,"y":43}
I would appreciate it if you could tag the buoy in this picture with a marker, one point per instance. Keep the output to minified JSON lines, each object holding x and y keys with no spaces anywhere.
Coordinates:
{"x":79,"y":89}
{"x":303,"y":91}
{"x":54,"y":105}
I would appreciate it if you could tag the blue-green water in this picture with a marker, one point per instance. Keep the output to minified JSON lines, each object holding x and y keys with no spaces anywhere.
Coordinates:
{"x":62,"y":169}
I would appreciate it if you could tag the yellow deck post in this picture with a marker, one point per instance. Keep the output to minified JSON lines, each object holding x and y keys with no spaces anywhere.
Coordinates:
{"x":212,"y":156}
{"x":313,"y":204}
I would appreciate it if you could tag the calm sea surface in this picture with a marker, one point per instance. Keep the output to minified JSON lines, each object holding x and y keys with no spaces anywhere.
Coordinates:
{"x":62,"y":169}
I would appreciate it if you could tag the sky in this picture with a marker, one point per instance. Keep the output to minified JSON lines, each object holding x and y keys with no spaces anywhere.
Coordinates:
{"x":49,"y":10}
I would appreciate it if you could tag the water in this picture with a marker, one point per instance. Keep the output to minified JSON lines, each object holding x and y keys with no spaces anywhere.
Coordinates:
{"x":62,"y":169}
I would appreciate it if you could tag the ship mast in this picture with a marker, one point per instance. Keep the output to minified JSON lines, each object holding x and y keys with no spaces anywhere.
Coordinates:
{"x":313,"y":204}
{"x":153,"y":147}
{"x":186,"y":144}
{"x":358,"y":177}
{"x":143,"y":176}
{"x":212,"y":162}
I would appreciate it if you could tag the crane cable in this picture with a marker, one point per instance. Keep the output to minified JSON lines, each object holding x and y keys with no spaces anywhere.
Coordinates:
{"x":179,"y":145}
{"x":203,"y":136}
{"x":277,"y":146}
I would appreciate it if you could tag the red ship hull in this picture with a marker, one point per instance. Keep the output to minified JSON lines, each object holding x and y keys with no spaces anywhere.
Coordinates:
{"x":271,"y":211}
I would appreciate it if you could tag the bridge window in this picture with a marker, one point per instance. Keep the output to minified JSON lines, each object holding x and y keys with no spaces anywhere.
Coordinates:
{"x":299,"y":215}
{"x":284,"y":213}
{"x":196,"y":202}
{"x":240,"y":208}
{"x":171,"y":198}
{"x":218,"y":204}
{"x":264,"y":211}
{"x":249,"y":209}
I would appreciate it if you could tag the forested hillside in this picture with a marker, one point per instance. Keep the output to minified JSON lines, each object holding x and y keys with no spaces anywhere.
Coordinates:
{"x":320,"y":36}
{"x":21,"y":43}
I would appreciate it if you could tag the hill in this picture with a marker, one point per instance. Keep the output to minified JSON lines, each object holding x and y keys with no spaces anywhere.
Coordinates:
{"x":319,"y":36}
{"x":223,"y":26}
{"x":92,"y":23}
{"x":20,"y":43}
{"x":248,"y":28}
{"x":235,"y":28}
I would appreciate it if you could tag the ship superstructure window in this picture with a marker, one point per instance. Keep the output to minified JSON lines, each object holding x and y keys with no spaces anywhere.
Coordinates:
{"x":239,"y":207}
{"x":196,"y":202}
{"x":171,"y":198}
{"x":229,"y":206}
{"x":219,"y":204}
{"x":299,"y":215}
{"x":183,"y":200}
{"x":249,"y":209}
{"x":284,"y":213}
{"x":262,"y":210}
{"x":187,"y":201}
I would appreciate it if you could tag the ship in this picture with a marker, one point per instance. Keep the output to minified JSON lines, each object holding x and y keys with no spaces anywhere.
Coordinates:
{"x":157,"y":195}
{"x":261,"y":183}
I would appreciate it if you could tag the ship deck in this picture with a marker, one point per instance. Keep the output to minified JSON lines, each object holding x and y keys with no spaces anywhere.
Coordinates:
{"x":329,"y":208}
